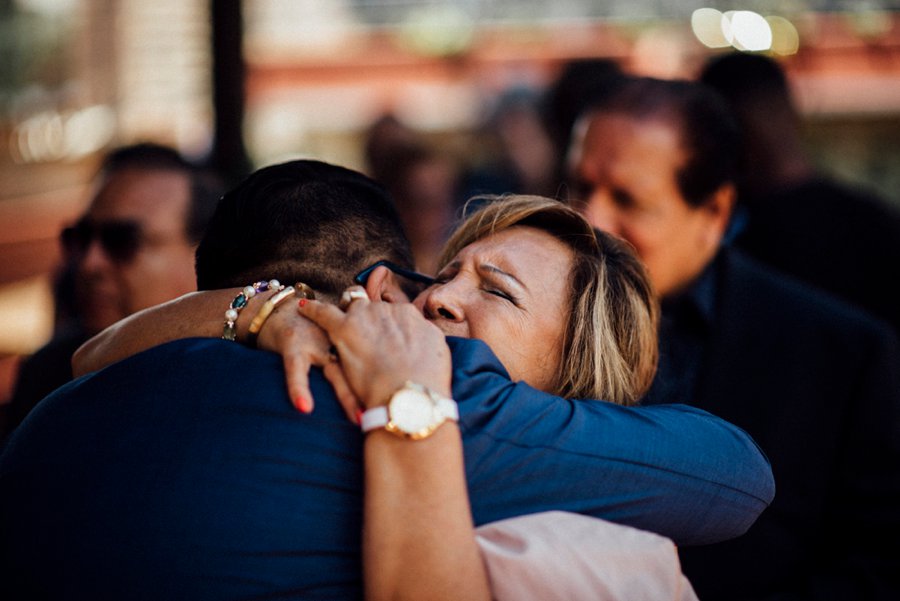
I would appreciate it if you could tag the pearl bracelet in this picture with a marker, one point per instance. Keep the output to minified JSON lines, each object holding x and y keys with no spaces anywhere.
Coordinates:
{"x":229,"y":331}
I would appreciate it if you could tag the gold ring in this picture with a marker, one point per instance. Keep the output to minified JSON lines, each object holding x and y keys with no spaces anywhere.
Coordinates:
{"x":304,"y":291}
{"x":348,"y":296}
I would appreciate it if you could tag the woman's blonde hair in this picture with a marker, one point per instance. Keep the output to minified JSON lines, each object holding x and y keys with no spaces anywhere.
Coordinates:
{"x":610,"y":343}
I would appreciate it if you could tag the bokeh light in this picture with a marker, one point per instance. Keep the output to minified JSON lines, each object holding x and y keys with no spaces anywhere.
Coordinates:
{"x":438,"y":30}
{"x":707,"y":26}
{"x":53,"y":136}
{"x":785,"y":39}
{"x":750,"y":31}
{"x":744,"y":30}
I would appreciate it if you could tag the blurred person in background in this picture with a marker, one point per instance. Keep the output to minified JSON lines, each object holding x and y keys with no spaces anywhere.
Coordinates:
{"x":833,"y":235}
{"x":581,"y":83}
{"x":133,"y":248}
{"x":423,"y":183}
{"x":518,"y":155}
{"x":813,"y":380}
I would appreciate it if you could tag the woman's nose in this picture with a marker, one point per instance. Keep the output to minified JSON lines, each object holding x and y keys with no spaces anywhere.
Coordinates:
{"x":441,"y":304}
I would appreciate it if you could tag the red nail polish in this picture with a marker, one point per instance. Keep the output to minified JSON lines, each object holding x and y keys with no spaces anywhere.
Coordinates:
{"x":359,"y":413}
{"x":302,"y":404}
{"x":302,"y":303}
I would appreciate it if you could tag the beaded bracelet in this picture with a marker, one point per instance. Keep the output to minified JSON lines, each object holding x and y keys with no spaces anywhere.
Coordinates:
{"x":229,"y":331}
{"x":299,"y":289}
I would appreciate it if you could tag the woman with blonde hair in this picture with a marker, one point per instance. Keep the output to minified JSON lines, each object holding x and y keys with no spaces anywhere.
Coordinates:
{"x":609,"y":341}
{"x":572,"y":313}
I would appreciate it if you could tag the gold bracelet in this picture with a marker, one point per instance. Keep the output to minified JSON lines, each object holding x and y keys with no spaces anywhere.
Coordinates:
{"x":300,"y":289}
{"x":268,"y":307}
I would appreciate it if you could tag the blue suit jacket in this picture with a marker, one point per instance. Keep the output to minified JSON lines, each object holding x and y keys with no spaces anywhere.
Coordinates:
{"x":184,"y":472}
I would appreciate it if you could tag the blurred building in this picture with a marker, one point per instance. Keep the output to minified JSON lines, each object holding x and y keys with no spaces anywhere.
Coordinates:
{"x":79,"y":76}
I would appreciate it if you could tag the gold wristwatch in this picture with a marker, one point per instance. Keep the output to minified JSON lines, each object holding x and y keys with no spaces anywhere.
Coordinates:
{"x":414,"y":412}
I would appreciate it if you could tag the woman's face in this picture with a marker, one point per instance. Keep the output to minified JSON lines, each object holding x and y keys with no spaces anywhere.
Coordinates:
{"x":510,"y":290}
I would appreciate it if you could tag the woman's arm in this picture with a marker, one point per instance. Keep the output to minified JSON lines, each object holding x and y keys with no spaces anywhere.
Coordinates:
{"x":418,"y":538}
{"x":202,"y":314}
{"x":419,"y":541}
{"x":194,"y":314}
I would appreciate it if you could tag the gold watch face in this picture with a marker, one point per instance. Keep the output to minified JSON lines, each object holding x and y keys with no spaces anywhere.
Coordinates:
{"x":413,"y":413}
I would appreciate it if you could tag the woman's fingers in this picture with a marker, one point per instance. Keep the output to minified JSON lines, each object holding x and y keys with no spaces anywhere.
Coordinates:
{"x":303,"y":348}
{"x":302,"y":344}
{"x":326,"y":316}
{"x":380,"y":345}
{"x":296,"y":370}
{"x":330,"y":318}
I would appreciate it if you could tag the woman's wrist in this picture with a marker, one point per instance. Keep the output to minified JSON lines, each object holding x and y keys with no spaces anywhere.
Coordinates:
{"x":251,"y":308}
{"x":382,"y":388}
{"x":241,"y":301}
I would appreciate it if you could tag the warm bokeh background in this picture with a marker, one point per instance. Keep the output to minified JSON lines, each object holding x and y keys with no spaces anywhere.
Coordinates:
{"x":78,"y":77}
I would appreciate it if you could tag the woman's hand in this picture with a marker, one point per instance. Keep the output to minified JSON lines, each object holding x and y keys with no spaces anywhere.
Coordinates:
{"x":302,"y":344}
{"x":432,"y":552}
{"x":382,"y":345}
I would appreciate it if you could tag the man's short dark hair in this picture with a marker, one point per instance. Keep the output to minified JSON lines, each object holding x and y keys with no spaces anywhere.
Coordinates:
{"x":304,"y":221}
{"x":709,"y":132}
{"x":206,"y":187}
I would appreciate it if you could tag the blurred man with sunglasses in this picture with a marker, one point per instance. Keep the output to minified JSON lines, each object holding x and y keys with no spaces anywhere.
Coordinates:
{"x":133,"y":248}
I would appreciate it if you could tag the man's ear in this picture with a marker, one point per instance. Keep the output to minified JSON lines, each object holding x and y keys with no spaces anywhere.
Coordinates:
{"x":382,"y":285}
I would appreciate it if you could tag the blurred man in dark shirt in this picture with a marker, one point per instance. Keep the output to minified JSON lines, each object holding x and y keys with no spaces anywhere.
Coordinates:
{"x":133,"y":248}
{"x":813,"y":380}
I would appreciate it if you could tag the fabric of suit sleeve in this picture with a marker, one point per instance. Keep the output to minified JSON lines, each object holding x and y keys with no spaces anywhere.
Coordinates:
{"x":671,"y":469}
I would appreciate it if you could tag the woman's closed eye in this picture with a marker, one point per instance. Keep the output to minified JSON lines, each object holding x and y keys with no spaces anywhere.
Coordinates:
{"x":499,"y":282}
{"x":445,"y":278}
{"x":501,"y":293}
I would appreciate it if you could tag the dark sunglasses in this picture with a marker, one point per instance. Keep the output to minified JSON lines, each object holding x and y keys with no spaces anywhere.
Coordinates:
{"x":120,"y":239}
{"x":363,"y":276}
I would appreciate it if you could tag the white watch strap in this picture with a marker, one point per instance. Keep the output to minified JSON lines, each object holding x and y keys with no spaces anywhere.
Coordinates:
{"x":448,"y":409}
{"x":378,"y":417}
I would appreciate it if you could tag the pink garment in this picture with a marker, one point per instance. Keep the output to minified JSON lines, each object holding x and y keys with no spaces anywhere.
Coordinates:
{"x":559,"y":555}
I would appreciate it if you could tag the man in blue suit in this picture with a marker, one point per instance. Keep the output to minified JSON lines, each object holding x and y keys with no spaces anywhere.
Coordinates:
{"x":185,"y":471}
